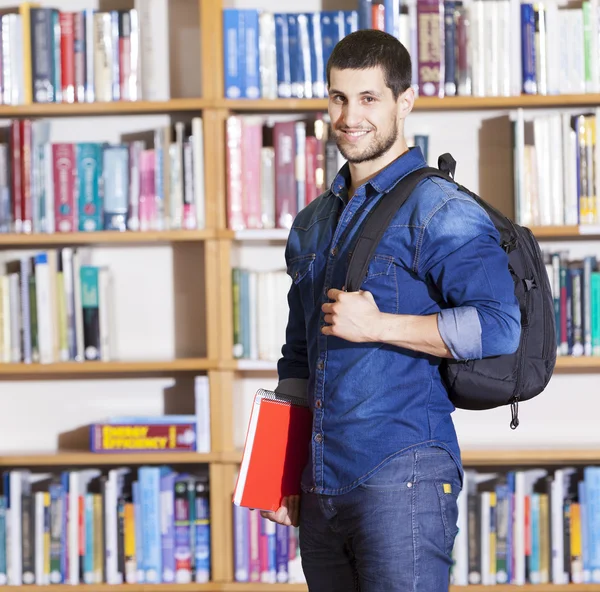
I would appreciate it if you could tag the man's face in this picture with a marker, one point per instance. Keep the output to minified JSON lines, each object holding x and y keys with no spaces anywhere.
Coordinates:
{"x":363,"y":112}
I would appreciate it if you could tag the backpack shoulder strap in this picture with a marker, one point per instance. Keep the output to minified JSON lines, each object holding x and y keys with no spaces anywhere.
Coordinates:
{"x":378,"y":220}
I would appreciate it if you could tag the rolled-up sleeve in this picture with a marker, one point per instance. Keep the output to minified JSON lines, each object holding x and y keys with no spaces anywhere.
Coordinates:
{"x":462,"y":257}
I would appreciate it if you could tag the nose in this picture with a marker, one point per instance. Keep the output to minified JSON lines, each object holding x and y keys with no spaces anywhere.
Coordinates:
{"x":352,"y":113}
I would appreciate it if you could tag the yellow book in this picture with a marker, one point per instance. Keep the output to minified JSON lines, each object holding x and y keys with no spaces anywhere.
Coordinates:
{"x":544,"y":540}
{"x":130,"y":559}
{"x":25,"y":12}
{"x":576,"y":556}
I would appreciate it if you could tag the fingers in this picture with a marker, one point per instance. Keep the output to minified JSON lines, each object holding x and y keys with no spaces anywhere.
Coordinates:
{"x":288,"y":514}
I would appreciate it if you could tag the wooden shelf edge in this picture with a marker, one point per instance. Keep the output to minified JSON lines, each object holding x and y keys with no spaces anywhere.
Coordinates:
{"x":107,"y":368}
{"x":484,"y":457}
{"x":105,"y":237}
{"x":63,"y":458}
{"x":103,"y":109}
{"x":577,"y":364}
{"x":423,"y":103}
{"x":251,"y":587}
{"x":257,"y":587}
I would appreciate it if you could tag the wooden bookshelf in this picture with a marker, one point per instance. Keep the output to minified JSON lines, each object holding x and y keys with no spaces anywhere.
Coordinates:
{"x":93,"y":368}
{"x":566,"y":232}
{"x":77,"y":458}
{"x":251,"y":587}
{"x":501,"y":457}
{"x":108,"y":108}
{"x":242,"y":587}
{"x":464,"y":103}
{"x":104,"y":237}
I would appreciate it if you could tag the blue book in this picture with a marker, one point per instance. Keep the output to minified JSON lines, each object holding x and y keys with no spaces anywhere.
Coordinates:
{"x":115,"y":167}
{"x":149,"y":479}
{"x":167,"y":499}
{"x":282,"y":541}
{"x":241,"y":533}
{"x":250,"y":55}
{"x":365,"y":14}
{"x":282,"y":44}
{"x":332,"y":30}
{"x":89,"y":178}
{"x":317,"y":65}
{"x":528,"y":49}
{"x":591,"y":477}
{"x":392,"y":17}
{"x":139,"y":535}
{"x":350,"y":21}
{"x":304,"y":72}
{"x":233,"y":31}
{"x":202,"y":543}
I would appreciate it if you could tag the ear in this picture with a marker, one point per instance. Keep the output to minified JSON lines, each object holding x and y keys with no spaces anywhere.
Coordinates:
{"x":406,"y":102}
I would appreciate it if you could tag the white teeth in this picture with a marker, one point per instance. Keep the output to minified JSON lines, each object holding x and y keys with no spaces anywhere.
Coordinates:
{"x":356,"y":134}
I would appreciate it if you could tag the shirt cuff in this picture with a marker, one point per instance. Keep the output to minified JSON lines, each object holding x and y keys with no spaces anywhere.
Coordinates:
{"x":294,"y":387}
{"x":460,"y":329}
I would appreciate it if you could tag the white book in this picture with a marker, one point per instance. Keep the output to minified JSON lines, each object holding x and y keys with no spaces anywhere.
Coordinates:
{"x":202,"y":401}
{"x":484,"y":527}
{"x":253,"y":279}
{"x":460,"y":571}
{"x":557,"y":213}
{"x":44,"y":309}
{"x":40,"y":577}
{"x":267,"y":52}
{"x":153,"y":17}
{"x":6,"y":324}
{"x":199,"y":179}
{"x":13,"y":525}
{"x":491,"y":70}
{"x":516,"y":64}
{"x":15,"y":317}
{"x":569,"y":141}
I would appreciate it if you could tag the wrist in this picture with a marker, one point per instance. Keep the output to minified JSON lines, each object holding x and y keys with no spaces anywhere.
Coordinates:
{"x":378,"y":328}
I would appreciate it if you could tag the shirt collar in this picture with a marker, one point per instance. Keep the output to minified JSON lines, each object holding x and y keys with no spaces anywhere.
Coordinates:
{"x":385,"y":180}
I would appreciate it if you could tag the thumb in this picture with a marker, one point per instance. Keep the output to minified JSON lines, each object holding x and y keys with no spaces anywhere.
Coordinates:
{"x":368,"y":295}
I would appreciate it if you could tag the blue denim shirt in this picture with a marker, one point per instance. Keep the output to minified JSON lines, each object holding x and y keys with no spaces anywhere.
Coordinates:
{"x":370,"y":401}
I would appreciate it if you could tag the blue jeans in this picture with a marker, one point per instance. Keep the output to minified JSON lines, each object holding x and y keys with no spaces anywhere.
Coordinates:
{"x":394,"y":532}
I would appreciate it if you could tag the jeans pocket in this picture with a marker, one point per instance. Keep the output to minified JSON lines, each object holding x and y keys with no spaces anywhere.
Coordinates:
{"x":448,"y":495}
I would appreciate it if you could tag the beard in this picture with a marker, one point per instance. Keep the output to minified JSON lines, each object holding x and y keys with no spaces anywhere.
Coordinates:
{"x":377,"y":147}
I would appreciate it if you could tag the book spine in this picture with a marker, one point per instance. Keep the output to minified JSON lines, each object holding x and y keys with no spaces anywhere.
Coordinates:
{"x":232,"y":37}
{"x":67,"y":54}
{"x":89,"y":167}
{"x":115,"y":169}
{"x":65,"y":171}
{"x":79,"y":50}
{"x":42,"y":55}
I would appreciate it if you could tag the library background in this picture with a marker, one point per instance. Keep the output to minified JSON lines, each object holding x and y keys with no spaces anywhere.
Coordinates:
{"x":152,"y":156}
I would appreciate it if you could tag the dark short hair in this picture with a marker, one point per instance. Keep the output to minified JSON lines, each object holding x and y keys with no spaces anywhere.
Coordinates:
{"x":369,"y":48}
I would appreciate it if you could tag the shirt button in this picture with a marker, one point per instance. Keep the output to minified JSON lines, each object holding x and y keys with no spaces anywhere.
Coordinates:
{"x":334,"y":251}
{"x":320,"y":365}
{"x":318,"y":404}
{"x":319,"y":438}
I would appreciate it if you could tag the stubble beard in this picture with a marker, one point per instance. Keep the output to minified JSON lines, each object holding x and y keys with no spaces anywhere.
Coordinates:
{"x":377,"y":147}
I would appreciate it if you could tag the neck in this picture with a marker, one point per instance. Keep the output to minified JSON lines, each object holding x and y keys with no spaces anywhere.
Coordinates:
{"x":362,"y":172}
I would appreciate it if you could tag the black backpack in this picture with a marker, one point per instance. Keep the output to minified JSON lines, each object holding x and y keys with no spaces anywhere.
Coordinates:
{"x":499,"y":380}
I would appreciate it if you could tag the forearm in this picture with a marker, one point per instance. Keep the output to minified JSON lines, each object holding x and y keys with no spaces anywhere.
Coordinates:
{"x":414,"y":332}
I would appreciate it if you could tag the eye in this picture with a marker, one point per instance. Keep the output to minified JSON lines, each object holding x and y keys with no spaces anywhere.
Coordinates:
{"x":369,"y":99}
{"x":338,"y":98}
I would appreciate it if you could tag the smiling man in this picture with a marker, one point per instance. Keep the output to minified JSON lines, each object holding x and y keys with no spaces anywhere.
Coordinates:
{"x":378,"y":508}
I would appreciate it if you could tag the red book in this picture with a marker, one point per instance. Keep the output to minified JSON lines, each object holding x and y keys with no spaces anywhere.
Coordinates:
{"x":275,"y":452}
{"x":67,"y":56}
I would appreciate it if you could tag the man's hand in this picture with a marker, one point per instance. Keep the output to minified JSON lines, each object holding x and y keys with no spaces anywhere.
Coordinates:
{"x":288,"y":513}
{"x":352,"y":316}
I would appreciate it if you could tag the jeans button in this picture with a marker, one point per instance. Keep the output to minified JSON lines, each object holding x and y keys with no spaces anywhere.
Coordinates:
{"x":318,"y":404}
{"x":320,"y":365}
{"x":334,"y":251}
{"x":319,"y":438}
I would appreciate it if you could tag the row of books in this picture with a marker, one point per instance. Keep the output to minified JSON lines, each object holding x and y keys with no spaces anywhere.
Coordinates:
{"x":260,"y":313}
{"x":54,"y":308}
{"x":152,"y":434}
{"x":457,"y":48}
{"x":54,"y":56}
{"x":575,"y":287}
{"x":146,"y":525}
{"x":151,"y":180}
{"x":557,"y":181}
{"x":275,"y":168}
{"x":532,"y":526}
{"x":264,"y":551}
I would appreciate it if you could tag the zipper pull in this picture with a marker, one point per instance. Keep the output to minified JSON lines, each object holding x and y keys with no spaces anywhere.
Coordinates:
{"x":514,"y":409}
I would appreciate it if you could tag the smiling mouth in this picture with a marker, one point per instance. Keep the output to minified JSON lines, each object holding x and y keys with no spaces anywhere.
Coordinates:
{"x":355,"y":134}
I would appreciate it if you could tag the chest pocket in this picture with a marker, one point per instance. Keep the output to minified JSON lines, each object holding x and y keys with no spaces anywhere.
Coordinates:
{"x":301,"y":270}
{"x":381,"y":280}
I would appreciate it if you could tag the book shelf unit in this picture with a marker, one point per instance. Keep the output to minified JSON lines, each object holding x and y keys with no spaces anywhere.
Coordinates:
{"x":215,"y":243}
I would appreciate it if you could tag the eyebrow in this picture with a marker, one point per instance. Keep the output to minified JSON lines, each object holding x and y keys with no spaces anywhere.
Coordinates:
{"x":364,"y":92}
